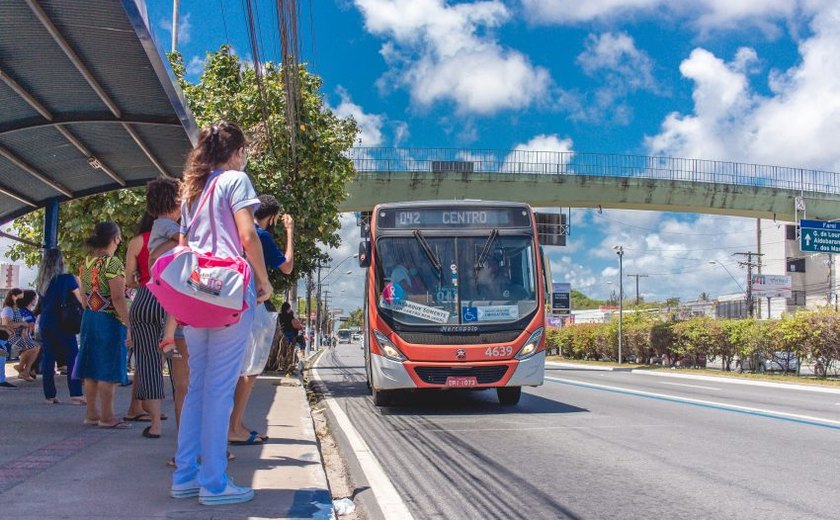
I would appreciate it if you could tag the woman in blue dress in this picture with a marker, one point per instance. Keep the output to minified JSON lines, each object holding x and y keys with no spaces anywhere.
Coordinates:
{"x":55,"y":286}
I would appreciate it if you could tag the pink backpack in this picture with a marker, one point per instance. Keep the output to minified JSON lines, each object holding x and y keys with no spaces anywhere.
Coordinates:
{"x":199,"y":288}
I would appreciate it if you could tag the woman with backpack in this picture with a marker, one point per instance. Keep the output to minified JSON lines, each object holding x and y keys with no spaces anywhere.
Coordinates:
{"x":57,"y":323}
{"x":217,"y":216}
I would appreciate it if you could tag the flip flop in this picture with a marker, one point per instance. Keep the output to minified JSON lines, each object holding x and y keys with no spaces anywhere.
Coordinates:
{"x":253,"y":439}
{"x":149,"y":435}
{"x":142,"y":417}
{"x":120,"y":425}
{"x":263,"y":437}
{"x":91,"y":422}
{"x":78,"y":401}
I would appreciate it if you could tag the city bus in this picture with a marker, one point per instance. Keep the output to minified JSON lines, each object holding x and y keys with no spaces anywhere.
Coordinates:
{"x":455,"y":297}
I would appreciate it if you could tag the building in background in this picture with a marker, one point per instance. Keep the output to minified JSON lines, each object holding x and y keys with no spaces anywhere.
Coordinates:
{"x":813,"y":275}
{"x":9,"y":278}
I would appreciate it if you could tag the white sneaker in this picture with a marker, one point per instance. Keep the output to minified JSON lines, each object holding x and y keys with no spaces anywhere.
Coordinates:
{"x":232,"y":494}
{"x":188,"y":489}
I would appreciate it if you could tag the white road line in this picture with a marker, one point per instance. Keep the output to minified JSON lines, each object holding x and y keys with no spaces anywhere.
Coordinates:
{"x":715,"y":404}
{"x":690,"y":386}
{"x":390,"y":502}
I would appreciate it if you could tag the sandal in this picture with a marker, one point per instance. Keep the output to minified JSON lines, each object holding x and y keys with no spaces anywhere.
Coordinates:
{"x":140,"y":417}
{"x":52,"y":400}
{"x":119,"y":425}
{"x":252,"y":440}
{"x":78,"y":400}
{"x":91,"y":422}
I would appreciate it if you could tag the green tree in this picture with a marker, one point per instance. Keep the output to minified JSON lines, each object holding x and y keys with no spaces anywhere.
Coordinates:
{"x":582,"y":301}
{"x":356,"y":318}
{"x":309,"y":190}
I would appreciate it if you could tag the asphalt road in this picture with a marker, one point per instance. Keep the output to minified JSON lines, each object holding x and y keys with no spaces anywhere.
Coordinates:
{"x":600,"y":445}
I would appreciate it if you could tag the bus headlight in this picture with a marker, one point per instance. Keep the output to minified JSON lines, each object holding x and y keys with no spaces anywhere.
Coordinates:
{"x":530,"y":345}
{"x":388,"y":348}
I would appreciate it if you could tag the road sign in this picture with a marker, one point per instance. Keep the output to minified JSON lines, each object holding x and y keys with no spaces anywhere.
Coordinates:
{"x":561,"y":298}
{"x":817,"y":236}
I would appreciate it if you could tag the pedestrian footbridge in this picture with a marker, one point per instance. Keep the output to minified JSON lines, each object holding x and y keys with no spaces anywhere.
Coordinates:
{"x":590,"y":180}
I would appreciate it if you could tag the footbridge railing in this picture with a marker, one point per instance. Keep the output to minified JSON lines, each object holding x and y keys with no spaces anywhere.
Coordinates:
{"x":464,"y":161}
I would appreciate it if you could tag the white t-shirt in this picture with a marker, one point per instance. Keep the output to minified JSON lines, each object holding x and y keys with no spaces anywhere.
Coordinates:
{"x":215,"y":228}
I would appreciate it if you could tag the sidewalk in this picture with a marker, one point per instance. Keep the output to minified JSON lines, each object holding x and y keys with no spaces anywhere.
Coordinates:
{"x":52,"y":466}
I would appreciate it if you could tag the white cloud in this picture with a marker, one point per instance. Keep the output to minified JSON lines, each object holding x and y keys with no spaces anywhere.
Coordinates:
{"x":542,"y":154}
{"x":196,"y":66}
{"x":443,"y":52}
{"x":616,"y":57}
{"x":796,"y":125}
{"x":346,"y":290}
{"x":705,"y":13}
{"x":672,"y":249}
{"x":621,"y":68}
{"x":184,"y":28}
{"x":370,"y":125}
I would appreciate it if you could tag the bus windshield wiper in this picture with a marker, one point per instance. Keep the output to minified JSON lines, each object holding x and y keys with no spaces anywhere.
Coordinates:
{"x":485,"y":251}
{"x":428,"y":250}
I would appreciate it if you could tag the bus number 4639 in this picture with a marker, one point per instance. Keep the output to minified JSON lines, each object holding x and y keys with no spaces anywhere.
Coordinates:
{"x":498,"y":351}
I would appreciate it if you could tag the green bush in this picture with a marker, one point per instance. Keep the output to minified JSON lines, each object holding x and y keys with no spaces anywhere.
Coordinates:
{"x":647,"y":339}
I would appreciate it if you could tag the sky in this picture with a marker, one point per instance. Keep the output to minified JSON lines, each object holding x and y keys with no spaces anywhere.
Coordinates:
{"x":735,"y":80}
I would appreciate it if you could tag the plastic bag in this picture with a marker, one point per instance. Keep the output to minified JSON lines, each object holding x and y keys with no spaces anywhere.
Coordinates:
{"x":344,"y":506}
{"x":259,"y":341}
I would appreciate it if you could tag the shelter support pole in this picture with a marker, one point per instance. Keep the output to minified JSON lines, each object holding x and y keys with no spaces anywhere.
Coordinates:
{"x":51,"y":224}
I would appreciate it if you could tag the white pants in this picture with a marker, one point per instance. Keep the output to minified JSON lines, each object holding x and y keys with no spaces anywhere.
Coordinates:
{"x":215,"y":359}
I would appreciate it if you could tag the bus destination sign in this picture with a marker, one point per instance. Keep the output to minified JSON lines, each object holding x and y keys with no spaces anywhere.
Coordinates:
{"x":453,"y":217}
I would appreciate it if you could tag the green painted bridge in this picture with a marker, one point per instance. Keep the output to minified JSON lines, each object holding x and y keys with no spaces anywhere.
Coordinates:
{"x":586,"y":180}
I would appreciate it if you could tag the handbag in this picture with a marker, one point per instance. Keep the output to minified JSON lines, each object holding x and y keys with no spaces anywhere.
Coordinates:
{"x":70,"y":314}
{"x":198,"y":288}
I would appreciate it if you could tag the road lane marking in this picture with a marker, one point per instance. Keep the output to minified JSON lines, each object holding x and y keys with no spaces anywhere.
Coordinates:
{"x":390,"y":502}
{"x":771,"y":414}
{"x":690,"y":386}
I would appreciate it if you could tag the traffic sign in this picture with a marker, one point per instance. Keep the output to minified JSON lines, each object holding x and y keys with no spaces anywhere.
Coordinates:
{"x":817,"y":236}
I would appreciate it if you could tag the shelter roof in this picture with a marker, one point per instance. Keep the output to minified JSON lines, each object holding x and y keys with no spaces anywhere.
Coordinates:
{"x":87,"y":102}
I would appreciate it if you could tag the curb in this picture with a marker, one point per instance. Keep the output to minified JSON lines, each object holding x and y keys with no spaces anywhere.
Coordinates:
{"x":716,"y":379}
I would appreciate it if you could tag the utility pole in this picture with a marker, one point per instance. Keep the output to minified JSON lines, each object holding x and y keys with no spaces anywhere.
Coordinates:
{"x":619,"y":250}
{"x":637,"y":276}
{"x":176,"y":5}
{"x":749,"y":264}
{"x":309,"y":287}
{"x":325,"y":329}
{"x":318,"y":310}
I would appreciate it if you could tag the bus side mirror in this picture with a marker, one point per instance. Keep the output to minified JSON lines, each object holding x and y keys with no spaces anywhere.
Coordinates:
{"x":364,"y":253}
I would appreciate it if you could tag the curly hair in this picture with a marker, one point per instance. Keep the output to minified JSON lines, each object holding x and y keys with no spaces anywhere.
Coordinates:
{"x":162,"y":196}
{"x":216,"y":145}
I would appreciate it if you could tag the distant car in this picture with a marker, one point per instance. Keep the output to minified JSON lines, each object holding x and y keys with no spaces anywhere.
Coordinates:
{"x":356,"y":336}
{"x":770,"y":362}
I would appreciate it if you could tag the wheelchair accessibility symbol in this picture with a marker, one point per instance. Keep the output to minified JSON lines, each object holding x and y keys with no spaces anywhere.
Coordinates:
{"x":470,"y":314}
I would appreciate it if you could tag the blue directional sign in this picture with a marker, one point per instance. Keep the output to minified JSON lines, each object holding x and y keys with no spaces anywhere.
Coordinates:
{"x":817,"y":236}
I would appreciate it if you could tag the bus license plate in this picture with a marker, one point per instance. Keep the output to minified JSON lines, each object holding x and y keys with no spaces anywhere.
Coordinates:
{"x":461,"y":382}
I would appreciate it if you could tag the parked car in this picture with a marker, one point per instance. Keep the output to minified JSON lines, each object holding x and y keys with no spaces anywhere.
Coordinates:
{"x":778,"y":361}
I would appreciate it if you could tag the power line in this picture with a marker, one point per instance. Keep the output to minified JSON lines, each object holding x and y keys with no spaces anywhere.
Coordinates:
{"x":637,"y":276}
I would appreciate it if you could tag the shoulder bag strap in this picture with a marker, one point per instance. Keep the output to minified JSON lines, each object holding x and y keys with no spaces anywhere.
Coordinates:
{"x":208,"y":192}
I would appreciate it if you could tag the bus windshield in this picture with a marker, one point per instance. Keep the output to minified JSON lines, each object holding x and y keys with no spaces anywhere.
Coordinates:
{"x":468,"y":288}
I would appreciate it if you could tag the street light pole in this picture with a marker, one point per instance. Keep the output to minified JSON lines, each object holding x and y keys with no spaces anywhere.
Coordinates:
{"x":619,"y":250}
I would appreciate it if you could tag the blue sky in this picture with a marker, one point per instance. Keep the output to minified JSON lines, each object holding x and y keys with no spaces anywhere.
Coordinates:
{"x":740,"y":80}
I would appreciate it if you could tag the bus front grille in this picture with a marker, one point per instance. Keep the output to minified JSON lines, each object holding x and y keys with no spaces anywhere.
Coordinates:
{"x":484,"y":375}
{"x":454,"y":338}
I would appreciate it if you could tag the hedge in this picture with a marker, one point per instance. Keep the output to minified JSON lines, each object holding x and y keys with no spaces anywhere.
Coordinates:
{"x":810,"y":336}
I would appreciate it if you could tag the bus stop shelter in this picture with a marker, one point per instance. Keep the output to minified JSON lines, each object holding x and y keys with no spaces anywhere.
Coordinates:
{"x":88,"y":104}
